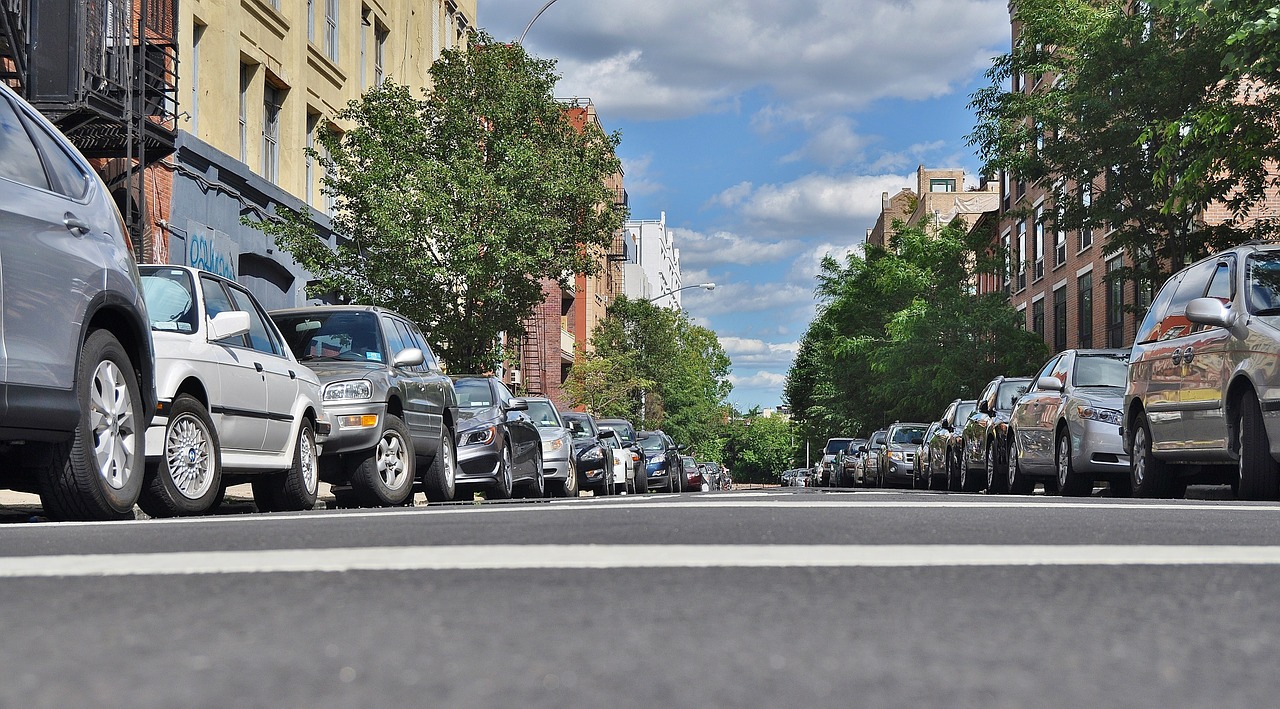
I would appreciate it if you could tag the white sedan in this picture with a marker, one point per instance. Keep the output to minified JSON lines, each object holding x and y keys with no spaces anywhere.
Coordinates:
{"x":234,"y":404}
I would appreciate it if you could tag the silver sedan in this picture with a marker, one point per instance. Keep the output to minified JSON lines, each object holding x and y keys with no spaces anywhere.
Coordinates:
{"x":1067,"y":427}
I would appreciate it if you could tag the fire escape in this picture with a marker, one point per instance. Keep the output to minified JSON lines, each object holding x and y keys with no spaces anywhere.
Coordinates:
{"x":104,"y":72}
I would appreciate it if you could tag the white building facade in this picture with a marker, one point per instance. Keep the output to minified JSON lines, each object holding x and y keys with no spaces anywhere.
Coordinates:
{"x":653,"y":264}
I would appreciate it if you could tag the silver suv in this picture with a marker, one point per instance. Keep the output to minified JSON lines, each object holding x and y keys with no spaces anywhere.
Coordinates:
{"x":1202,"y":402}
{"x":77,"y":371}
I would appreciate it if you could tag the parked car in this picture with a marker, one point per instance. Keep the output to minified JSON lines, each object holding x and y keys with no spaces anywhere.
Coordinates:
{"x":986,"y":435}
{"x":692,"y":474}
{"x":234,"y":404}
{"x":1066,"y":429}
{"x":595,"y":456}
{"x":847,"y":472}
{"x":76,"y":361}
{"x":711,"y":474}
{"x":828,"y":467}
{"x":394,"y":412}
{"x":662,"y":460}
{"x":951,"y":439}
{"x":559,"y":466}
{"x":924,"y":466}
{"x":872,"y":454}
{"x":630,"y":451}
{"x":1202,"y":393}
{"x":897,"y":465}
{"x":499,"y":447}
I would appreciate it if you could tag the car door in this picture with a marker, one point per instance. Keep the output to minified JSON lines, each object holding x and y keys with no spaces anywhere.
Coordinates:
{"x":1207,"y":359}
{"x":975,"y":430}
{"x":525,"y":441}
{"x":437,"y":388}
{"x":423,"y":422}
{"x":1033,"y":418}
{"x":240,"y":406}
{"x":1169,"y":431}
{"x":279,"y":372}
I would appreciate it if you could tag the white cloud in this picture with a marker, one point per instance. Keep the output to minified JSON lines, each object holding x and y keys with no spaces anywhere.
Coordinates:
{"x":746,"y":351}
{"x":732,"y":196}
{"x":819,"y":204}
{"x":740,"y":298}
{"x":807,"y":266}
{"x":698,"y":249}
{"x":909,"y":158}
{"x":833,"y":145}
{"x":759,"y":380}
{"x":640,"y":177}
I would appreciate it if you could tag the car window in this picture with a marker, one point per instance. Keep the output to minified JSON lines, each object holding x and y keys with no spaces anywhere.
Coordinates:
{"x":429,"y":362}
{"x":904,"y":434}
{"x":651,"y":444}
{"x":341,"y":335}
{"x":65,"y":174}
{"x":1150,"y":329}
{"x":1263,"y":284}
{"x":1060,"y":369}
{"x":1009,"y":393}
{"x":19,"y":160}
{"x":1194,"y":283}
{"x":544,"y":414}
{"x":217,"y":301}
{"x":170,"y":297}
{"x":397,"y":337}
{"x":988,"y":393}
{"x":1047,"y":370}
{"x":1220,"y":285}
{"x":260,"y":336}
{"x":877,"y":438}
{"x":835,"y":445}
{"x":578,"y":426}
{"x":1101,"y":371}
{"x":503,"y":391}
{"x":473,"y":393}
{"x":963,"y":410}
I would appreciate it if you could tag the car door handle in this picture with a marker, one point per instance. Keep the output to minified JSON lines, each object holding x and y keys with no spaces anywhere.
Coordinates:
{"x":75,"y":224}
{"x":1187,"y":355}
{"x":257,"y":366}
{"x":293,"y":374}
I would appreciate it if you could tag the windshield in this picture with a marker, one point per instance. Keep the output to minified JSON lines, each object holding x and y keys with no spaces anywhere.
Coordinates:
{"x":1101,"y":371}
{"x":904,"y":434}
{"x":651,"y":444}
{"x":626,"y":433}
{"x":342,"y":335}
{"x":1009,"y":393}
{"x":544,"y":415}
{"x":578,"y":425}
{"x":168,"y":292}
{"x":1263,"y":284}
{"x":963,"y":411}
{"x":835,"y":445}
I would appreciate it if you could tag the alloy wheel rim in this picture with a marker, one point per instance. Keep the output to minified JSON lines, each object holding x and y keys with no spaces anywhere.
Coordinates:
{"x":1064,"y":453}
{"x":189,"y":456}
{"x":393,"y":460}
{"x":1240,"y":451}
{"x":1012,"y":472}
{"x":1139,"y":456}
{"x":991,"y":467}
{"x":114,"y":426}
{"x":506,"y":468}
{"x":310,"y":460}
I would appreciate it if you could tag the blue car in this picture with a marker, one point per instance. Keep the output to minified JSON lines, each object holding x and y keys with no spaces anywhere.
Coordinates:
{"x":662,"y":461}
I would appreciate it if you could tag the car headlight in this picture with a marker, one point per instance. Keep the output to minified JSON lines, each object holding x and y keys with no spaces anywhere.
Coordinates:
{"x":897,"y":455}
{"x":348,"y":390}
{"x":480,"y":436}
{"x":1104,"y":415}
{"x":552,"y":446}
{"x":593,"y":454}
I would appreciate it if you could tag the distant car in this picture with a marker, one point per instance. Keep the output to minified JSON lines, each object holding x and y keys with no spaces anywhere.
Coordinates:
{"x":662,"y":460}
{"x":595,"y":457}
{"x":393,"y":410}
{"x":692,"y":474}
{"x":76,"y":365}
{"x":847,"y":470}
{"x":829,"y":465}
{"x":898,"y":464}
{"x":1066,"y":429}
{"x":499,"y":448}
{"x":871,"y":461}
{"x":711,"y":474}
{"x":559,"y":467}
{"x":951,"y":439}
{"x":925,"y":467}
{"x":632,"y":457}
{"x":234,"y":403}
{"x":986,"y":436}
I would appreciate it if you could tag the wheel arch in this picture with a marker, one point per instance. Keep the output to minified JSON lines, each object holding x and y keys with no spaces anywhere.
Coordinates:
{"x":1236,"y":390}
{"x":112,"y":313}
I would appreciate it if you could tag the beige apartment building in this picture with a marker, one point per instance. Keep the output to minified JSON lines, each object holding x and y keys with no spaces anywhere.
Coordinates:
{"x":257,"y":80}
{"x":938,"y":198}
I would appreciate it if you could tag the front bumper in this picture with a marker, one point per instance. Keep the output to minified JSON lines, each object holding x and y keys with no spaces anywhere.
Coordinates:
{"x":1098,"y":448}
{"x":353,"y":426}
{"x":555,"y":468}
{"x":899,"y":471}
{"x":479,"y":463}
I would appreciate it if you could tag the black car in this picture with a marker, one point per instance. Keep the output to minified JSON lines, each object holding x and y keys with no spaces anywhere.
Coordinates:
{"x":499,"y":447}
{"x":386,"y":396}
{"x":662,"y":461}
{"x":593,"y":453}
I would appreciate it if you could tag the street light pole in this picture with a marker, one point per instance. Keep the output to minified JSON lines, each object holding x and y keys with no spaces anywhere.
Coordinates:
{"x":535,"y":19}
{"x":708,"y":286}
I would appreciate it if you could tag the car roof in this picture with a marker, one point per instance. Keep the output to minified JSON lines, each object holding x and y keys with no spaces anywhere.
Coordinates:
{"x":305,"y":309}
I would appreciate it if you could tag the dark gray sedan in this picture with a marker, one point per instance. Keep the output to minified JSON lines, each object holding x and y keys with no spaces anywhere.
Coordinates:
{"x":499,"y":448}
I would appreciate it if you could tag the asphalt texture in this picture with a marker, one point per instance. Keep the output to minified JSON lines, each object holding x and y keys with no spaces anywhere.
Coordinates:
{"x":1118,"y":635}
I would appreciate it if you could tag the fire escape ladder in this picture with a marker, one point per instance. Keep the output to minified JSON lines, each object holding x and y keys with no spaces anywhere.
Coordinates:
{"x":13,"y":44}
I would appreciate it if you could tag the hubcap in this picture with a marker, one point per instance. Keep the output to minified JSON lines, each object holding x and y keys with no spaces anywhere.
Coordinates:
{"x":1012,"y":470}
{"x":189,"y":456}
{"x":506,"y":469}
{"x":111,"y":417}
{"x":393,"y":460}
{"x":1064,"y":455}
{"x":309,"y":459}
{"x":1139,"y":456}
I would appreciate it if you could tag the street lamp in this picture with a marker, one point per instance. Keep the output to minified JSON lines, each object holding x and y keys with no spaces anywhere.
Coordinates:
{"x":708,"y":286}
{"x":535,"y":19}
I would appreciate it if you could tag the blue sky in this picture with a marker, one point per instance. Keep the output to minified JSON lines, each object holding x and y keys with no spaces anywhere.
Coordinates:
{"x":767,"y":132}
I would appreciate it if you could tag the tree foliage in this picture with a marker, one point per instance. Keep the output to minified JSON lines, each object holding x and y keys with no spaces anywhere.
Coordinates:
{"x":758,"y":448}
{"x":684,"y":364}
{"x":606,"y":387}
{"x":899,"y":335}
{"x":451,"y":207}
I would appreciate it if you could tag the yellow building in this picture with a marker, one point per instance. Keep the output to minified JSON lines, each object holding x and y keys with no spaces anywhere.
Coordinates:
{"x":257,"y":79}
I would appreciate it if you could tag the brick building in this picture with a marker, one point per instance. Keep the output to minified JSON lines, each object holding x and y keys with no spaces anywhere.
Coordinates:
{"x":939,"y":197}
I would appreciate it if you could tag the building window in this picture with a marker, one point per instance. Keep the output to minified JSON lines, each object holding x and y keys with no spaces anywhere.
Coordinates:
{"x":1020,"y":267}
{"x":1060,"y":248}
{"x":379,"y":55}
{"x":365,"y":25}
{"x":197,"y":34}
{"x":331,"y":29}
{"x":1086,"y":229}
{"x":272,"y":99}
{"x":1084,"y":304}
{"x":1037,"y":317}
{"x":1115,"y":303}
{"x":311,"y":21}
{"x":313,"y":122}
{"x":1060,"y":319}
{"x":246,"y":78}
{"x":1008,"y":261}
{"x":939,"y":185}
{"x":1038,"y":244}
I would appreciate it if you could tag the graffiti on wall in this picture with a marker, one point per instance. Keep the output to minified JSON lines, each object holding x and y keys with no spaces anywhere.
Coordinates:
{"x":211,"y":250}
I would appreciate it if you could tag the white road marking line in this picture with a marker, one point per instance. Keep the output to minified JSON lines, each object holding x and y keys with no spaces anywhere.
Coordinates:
{"x":625,"y":557}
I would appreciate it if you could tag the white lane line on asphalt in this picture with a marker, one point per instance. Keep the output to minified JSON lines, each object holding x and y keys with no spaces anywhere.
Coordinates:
{"x":625,"y":557}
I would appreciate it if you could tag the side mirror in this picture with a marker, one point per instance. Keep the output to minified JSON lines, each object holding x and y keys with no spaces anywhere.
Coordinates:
{"x":1049,"y":384}
{"x":1211,"y":312}
{"x":862,"y":449}
{"x":517,"y":404}
{"x":607,"y":433}
{"x":983,"y":408}
{"x":228,"y":323}
{"x":408,"y":357}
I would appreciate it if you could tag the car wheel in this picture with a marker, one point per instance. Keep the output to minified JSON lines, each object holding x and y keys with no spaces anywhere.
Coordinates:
{"x":384,"y":476}
{"x":99,"y":473}
{"x":641,"y":481}
{"x":569,"y":486}
{"x":439,"y":480}
{"x":297,"y":487}
{"x":1069,"y":483}
{"x":536,"y":488}
{"x":1148,"y":476}
{"x":995,"y":478}
{"x":1019,"y":484}
{"x":501,"y":488}
{"x":188,"y":478}
{"x":1257,"y":477}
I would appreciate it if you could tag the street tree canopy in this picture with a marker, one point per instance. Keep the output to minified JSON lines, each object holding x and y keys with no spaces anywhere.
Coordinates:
{"x":451,"y":207}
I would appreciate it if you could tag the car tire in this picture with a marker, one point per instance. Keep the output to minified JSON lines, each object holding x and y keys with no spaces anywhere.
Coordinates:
{"x":1070,"y":484}
{"x":384,"y":476}
{"x":188,"y":478}
{"x":501,"y":488}
{"x":98,"y":474}
{"x":297,"y":487}
{"x":536,"y":488}
{"x":569,"y":486}
{"x":1019,"y":483}
{"x":1148,"y":476}
{"x":1257,"y":474}
{"x":440,"y":479}
{"x":640,"y":483}
{"x":996,"y":478}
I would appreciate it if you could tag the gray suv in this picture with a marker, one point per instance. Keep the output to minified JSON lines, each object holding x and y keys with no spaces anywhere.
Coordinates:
{"x":1202,"y":403}
{"x":77,"y":370}
{"x":392,"y":410}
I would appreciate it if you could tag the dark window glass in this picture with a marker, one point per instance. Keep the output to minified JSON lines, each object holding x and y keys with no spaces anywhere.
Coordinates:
{"x":1195,"y":281}
{"x":217,"y":301}
{"x":1149,"y":330}
{"x":1060,"y":319}
{"x":1220,"y":283}
{"x":1264,"y":283}
{"x":1084,"y":306}
{"x":68,"y":177}
{"x":1115,"y":304}
{"x":18,"y":158}
{"x":260,"y":337}
{"x":1037,"y":317}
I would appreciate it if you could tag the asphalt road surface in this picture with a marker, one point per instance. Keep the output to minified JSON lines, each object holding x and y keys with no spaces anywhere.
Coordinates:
{"x":782,"y":598}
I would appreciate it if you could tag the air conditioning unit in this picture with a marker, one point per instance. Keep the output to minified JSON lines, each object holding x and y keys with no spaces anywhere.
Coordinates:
{"x":514,"y":378}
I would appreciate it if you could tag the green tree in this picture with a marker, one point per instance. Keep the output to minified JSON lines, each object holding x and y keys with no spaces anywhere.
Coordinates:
{"x":453,"y":206}
{"x":758,"y":448}
{"x":606,"y":387}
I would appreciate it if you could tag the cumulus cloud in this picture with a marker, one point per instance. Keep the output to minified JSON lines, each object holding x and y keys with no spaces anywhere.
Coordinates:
{"x":819,"y":204}
{"x":672,"y":58}
{"x":739,"y":298}
{"x":806,"y":267}
{"x":754,"y":352}
{"x":698,"y":249}
{"x":640,"y":176}
{"x":759,"y":380}
{"x":834,"y":144}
